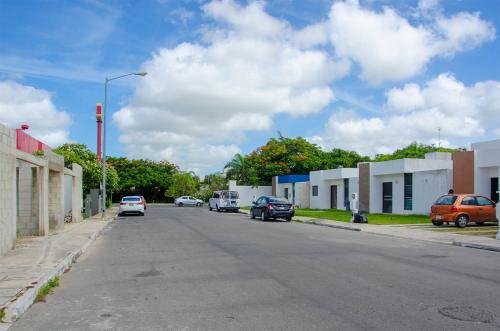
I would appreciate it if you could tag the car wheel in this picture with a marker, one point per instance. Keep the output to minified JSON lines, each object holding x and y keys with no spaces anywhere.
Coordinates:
{"x":180,"y":204}
{"x":462,"y":221}
{"x":252,"y":215}
{"x":142,"y":214}
{"x":437,"y":223}
{"x":209,"y":207}
{"x":198,"y":204}
{"x":288,"y":219}
{"x":217,"y":208}
{"x":263,"y":216}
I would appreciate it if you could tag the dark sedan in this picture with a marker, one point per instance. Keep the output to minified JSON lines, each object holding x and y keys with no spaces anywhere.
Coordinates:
{"x":267,"y":207}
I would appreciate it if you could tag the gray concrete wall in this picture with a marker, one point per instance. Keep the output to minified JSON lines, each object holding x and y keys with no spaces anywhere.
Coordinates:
{"x":7,"y":189}
{"x":27,"y":202}
{"x":56,"y":199}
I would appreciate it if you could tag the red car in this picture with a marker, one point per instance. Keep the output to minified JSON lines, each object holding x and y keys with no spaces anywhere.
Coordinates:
{"x":462,"y":209}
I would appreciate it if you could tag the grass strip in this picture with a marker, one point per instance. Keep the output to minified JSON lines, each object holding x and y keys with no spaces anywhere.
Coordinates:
{"x":345,"y":216}
{"x":47,"y":289}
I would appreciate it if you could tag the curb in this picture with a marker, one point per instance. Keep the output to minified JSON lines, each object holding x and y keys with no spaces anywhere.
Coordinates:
{"x":329,"y":225}
{"x":477,"y":246}
{"x":20,"y":304}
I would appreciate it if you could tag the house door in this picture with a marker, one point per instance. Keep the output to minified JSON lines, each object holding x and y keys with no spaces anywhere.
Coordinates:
{"x":387,"y":197}
{"x":333,"y":196}
{"x":494,"y":189}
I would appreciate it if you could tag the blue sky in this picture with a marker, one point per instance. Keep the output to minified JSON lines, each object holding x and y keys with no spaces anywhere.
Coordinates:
{"x":224,"y":76}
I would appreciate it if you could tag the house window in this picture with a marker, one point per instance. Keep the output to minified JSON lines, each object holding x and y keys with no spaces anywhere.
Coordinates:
{"x":408,"y":192}
{"x":315,"y":190}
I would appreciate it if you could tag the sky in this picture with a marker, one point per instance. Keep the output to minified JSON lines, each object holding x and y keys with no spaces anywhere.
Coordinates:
{"x":224,"y":76}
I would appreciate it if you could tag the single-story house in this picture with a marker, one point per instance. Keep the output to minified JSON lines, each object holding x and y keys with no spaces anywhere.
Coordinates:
{"x":404,"y":186}
{"x":333,"y":188}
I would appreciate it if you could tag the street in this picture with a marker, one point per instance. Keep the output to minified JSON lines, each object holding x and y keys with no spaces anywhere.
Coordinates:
{"x":191,"y":269}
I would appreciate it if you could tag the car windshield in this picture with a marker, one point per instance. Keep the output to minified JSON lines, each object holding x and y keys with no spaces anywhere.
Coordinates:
{"x":230,"y":195}
{"x":278,"y":200}
{"x":131,"y":199}
{"x":446,"y":200}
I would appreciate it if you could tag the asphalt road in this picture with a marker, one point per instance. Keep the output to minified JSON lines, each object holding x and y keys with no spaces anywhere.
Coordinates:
{"x":191,"y":269}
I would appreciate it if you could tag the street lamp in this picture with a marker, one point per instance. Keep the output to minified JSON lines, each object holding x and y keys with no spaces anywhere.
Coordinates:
{"x":106,"y":81}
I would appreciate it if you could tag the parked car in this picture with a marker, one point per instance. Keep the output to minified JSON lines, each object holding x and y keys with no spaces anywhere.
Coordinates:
{"x":224,"y":200}
{"x":144,"y":200}
{"x":462,"y":209}
{"x":187,"y":201}
{"x":267,"y":207}
{"x":131,"y":205}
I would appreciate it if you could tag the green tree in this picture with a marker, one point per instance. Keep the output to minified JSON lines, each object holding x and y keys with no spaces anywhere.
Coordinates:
{"x":91,"y":167}
{"x":183,"y":183}
{"x":145,"y":177}
{"x":238,"y":168}
{"x":211,"y":183}
{"x":413,"y":151}
{"x":341,"y":158}
{"x":284,"y":156}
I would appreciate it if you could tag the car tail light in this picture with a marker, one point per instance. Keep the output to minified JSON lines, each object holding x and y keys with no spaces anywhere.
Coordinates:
{"x":140,"y":203}
{"x":269,"y":206}
{"x":122,"y":203}
{"x":454,"y":209}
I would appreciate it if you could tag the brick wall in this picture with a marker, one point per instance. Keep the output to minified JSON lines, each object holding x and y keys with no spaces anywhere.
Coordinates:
{"x":7,"y":189}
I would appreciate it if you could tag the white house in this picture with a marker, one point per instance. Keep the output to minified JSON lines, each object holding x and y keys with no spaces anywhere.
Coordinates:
{"x":333,"y":188}
{"x":404,"y":186}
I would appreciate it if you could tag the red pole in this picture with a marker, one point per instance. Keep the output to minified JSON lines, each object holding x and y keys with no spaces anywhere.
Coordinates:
{"x":98,"y":116}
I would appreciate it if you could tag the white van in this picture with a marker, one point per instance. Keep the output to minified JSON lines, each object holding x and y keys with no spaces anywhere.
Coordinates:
{"x":224,"y":200}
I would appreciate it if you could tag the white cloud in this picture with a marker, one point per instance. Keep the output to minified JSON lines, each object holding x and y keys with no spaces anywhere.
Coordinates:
{"x":415,"y":113}
{"x":197,"y":100}
{"x":201,"y":98}
{"x":426,"y":5}
{"x":388,"y":47}
{"x":25,"y":104}
{"x":407,"y":99}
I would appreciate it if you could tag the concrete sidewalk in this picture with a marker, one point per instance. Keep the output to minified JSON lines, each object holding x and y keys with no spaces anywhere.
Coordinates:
{"x":408,"y":232}
{"x":36,"y":260}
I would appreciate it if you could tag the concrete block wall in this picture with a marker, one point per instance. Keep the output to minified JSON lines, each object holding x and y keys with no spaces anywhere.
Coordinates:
{"x":7,"y":189}
{"x":27,"y":203}
{"x":56,"y":199}
{"x":77,"y":194}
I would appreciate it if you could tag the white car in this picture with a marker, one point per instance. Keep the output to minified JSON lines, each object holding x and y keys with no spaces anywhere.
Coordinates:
{"x":187,"y":201}
{"x":224,"y":200}
{"x":131,"y":205}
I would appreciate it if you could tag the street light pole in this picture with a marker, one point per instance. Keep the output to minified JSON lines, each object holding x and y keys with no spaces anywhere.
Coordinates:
{"x":105,"y":121}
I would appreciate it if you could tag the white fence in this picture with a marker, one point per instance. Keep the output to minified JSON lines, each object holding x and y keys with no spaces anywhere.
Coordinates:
{"x":249,"y":193}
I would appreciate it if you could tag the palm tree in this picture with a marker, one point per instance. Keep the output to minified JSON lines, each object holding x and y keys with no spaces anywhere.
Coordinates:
{"x":237,"y":168}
